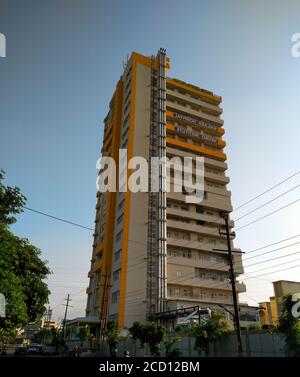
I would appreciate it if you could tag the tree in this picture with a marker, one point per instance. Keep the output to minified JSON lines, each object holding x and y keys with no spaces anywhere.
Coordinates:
{"x":11,"y":201}
{"x":112,"y":335}
{"x":136,"y":333}
{"x":16,"y":311}
{"x":22,"y":272}
{"x":169,"y":343}
{"x":289,"y":326}
{"x":209,"y":332}
{"x":84,"y":333}
{"x":150,"y":333}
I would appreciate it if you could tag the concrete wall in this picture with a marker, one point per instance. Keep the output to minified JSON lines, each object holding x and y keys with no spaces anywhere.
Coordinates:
{"x":255,"y":344}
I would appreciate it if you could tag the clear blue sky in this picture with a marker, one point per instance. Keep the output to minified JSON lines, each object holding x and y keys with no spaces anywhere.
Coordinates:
{"x":63,"y":60}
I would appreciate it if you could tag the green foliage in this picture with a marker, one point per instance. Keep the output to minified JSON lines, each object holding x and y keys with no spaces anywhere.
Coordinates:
{"x":150,"y":333}
{"x":215,"y":328}
{"x":136,"y":331}
{"x":289,"y":326}
{"x":112,"y":335}
{"x":11,"y":201}
{"x":254,"y":326}
{"x":16,"y":311}
{"x":169,"y":343}
{"x":22,"y":272}
{"x":84,"y":333}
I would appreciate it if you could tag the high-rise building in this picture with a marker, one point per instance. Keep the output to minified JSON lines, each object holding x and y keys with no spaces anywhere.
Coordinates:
{"x":153,"y":251}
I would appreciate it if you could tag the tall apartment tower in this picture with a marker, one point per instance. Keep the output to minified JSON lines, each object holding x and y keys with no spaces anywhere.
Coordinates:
{"x":152,"y":251}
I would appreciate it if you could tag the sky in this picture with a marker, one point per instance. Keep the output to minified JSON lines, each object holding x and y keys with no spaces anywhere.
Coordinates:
{"x":63,"y":59}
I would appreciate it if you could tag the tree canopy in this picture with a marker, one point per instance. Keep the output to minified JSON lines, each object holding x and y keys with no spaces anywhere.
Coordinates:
{"x":289,"y":325}
{"x":216,"y":327}
{"x":22,"y":271}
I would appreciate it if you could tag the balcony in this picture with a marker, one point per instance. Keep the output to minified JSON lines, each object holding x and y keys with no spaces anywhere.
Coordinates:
{"x":206,"y":283}
{"x":191,"y":148}
{"x":193,"y":215}
{"x":213,"y":201}
{"x":196,"y":299}
{"x":210,"y":162}
{"x":203,"y":246}
{"x":206,"y":230}
{"x":89,"y":290}
{"x":205,"y":263}
{"x":97,"y":265}
{"x":185,"y":97}
{"x":188,"y":110}
{"x":197,"y":262}
{"x":219,"y":177}
{"x":207,"y":186}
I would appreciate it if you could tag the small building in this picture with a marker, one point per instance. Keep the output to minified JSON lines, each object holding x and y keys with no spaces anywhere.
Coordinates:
{"x":35,"y":327}
{"x":270,"y":310}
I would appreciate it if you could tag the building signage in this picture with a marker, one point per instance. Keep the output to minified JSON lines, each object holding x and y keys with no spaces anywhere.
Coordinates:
{"x":207,"y":138}
{"x":198,"y":122}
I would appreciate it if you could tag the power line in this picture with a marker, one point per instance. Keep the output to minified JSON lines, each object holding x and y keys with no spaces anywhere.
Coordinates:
{"x":270,"y":273}
{"x":269,"y":214}
{"x":271,"y":188}
{"x":271,"y":251}
{"x":272,"y":244}
{"x":58,"y":218}
{"x":276,"y":265}
{"x":270,"y":201}
{"x":268,"y":260}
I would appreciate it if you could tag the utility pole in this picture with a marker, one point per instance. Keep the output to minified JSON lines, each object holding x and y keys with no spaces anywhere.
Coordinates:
{"x":233,"y":286}
{"x":102,"y":310}
{"x":46,"y":322}
{"x":67,"y":305}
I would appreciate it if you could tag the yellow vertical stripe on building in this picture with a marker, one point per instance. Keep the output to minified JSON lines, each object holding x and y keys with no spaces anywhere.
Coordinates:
{"x":111,"y":196}
{"x":123,"y":277}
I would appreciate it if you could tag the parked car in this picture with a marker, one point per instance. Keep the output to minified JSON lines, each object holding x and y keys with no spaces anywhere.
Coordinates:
{"x":21,"y":350}
{"x":49,"y":349}
{"x":34,"y":349}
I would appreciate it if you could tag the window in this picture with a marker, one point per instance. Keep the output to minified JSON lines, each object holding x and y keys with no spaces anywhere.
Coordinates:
{"x":118,"y":254}
{"x":200,"y":274}
{"x":199,"y":238}
{"x":199,"y":210}
{"x":98,"y":256}
{"x":116,"y":274}
{"x":121,"y":204}
{"x":177,"y":292}
{"x":186,"y":236}
{"x":115,"y":297}
{"x":187,"y":254}
{"x":120,"y":219}
{"x":173,"y":253}
{"x":178,"y":274}
{"x":212,"y":242}
{"x":119,"y":236}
